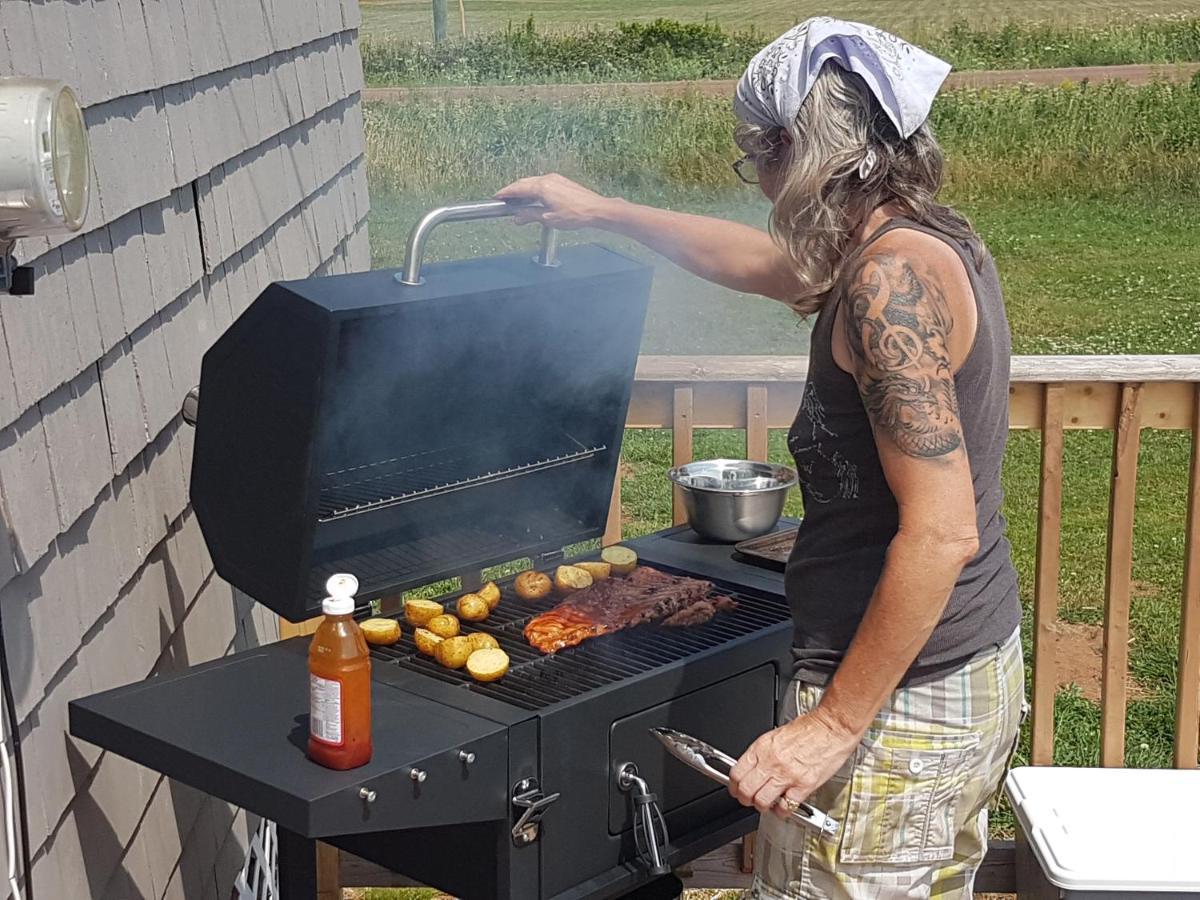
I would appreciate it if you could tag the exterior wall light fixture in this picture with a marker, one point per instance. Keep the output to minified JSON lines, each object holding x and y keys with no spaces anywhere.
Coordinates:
{"x":45,"y":170}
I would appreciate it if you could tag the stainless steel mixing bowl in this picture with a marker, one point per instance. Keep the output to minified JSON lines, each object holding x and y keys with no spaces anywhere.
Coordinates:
{"x":733,"y":500}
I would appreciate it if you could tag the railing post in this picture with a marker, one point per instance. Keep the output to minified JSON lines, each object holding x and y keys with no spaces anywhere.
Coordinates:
{"x":758,"y":437}
{"x":296,"y":629}
{"x":613,"y":527}
{"x":329,"y":872}
{"x":1045,"y":592}
{"x":1187,"y":701}
{"x":681,"y":445}
{"x":1118,"y":575}
{"x":747,"y":859}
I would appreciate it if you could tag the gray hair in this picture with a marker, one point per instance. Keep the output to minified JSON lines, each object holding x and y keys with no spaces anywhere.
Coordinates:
{"x":822,"y":200}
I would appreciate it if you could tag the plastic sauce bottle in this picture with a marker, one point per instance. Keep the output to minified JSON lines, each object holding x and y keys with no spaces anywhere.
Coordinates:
{"x":339,"y":676}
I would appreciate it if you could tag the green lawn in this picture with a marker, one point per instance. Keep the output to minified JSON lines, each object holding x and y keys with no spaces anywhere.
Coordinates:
{"x":1086,"y":197}
{"x":413,"y":19}
{"x":1089,"y":276}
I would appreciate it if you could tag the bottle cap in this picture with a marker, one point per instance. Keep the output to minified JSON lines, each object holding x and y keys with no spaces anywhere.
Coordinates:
{"x":341,"y":590}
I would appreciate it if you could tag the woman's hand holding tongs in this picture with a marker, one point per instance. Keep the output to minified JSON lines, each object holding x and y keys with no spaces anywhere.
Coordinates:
{"x":790,"y":762}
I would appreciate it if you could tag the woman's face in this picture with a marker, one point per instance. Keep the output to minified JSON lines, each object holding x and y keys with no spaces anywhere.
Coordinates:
{"x":771,"y":174}
{"x":772,"y":167}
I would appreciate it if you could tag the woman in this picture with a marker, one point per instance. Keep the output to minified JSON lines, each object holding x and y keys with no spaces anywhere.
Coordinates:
{"x":908,"y":687}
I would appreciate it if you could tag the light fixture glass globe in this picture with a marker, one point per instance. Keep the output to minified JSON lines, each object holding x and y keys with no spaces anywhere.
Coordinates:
{"x":69,"y":156}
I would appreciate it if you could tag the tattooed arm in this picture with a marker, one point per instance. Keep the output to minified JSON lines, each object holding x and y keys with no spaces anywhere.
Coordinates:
{"x":899,"y":320}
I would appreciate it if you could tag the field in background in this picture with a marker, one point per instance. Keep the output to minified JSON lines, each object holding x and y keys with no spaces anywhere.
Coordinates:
{"x":667,"y":50}
{"x":412,"y":18}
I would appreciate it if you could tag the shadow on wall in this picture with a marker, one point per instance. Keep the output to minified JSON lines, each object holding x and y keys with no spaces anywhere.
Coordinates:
{"x":199,"y":831}
{"x":18,"y":641}
{"x":204,"y":825}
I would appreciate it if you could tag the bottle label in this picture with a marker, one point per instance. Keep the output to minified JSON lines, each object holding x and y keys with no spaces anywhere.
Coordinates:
{"x":325,"y":710}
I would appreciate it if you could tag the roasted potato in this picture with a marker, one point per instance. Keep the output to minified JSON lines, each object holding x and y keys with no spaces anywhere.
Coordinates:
{"x":487,"y":665}
{"x":453,"y":652}
{"x":426,"y":641}
{"x":419,"y":612}
{"x":533,"y":585}
{"x":473,"y":608}
{"x":598,"y":570}
{"x":481,"y":641}
{"x":622,"y":559}
{"x":444,"y":625}
{"x":571,"y":578}
{"x":491,"y":594}
{"x":381,"y":631}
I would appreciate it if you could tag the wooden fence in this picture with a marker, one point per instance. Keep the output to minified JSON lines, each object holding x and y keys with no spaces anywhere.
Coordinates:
{"x":1051,"y":394}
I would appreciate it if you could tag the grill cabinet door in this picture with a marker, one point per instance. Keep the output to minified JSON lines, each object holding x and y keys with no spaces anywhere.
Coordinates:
{"x":729,"y":715}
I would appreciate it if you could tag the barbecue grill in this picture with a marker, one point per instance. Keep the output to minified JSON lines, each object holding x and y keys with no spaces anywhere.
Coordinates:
{"x":410,"y":429}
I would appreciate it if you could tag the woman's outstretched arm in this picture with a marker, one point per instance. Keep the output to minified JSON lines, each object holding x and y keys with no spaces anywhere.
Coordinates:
{"x":727,"y":253}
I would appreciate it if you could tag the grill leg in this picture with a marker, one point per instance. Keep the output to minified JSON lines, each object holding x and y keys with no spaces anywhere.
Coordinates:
{"x":297,"y":866}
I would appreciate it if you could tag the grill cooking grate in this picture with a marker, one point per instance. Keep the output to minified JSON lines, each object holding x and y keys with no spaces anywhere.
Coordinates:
{"x":535,"y":681}
{"x":379,"y":485}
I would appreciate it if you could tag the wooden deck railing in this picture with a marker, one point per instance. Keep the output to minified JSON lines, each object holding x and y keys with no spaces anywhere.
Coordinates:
{"x":1121,"y":394}
{"x":1051,"y":394}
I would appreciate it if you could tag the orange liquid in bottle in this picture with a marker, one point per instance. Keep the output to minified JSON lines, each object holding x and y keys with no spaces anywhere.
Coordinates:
{"x":339,"y":666}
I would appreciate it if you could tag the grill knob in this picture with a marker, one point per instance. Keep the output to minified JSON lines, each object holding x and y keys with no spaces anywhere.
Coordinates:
{"x":418,"y":775}
{"x":466,"y":756}
{"x":367,"y":794}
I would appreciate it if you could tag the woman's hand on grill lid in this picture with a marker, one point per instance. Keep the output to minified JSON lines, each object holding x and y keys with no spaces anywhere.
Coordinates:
{"x":790,"y":762}
{"x":561,"y":202}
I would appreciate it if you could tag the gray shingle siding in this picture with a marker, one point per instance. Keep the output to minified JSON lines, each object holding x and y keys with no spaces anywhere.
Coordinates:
{"x":227,"y":152}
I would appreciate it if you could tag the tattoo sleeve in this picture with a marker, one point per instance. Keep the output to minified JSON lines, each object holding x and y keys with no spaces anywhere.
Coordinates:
{"x":896,"y":328}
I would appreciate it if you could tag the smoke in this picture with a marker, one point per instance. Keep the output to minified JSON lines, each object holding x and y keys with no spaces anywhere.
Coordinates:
{"x":496,"y":376}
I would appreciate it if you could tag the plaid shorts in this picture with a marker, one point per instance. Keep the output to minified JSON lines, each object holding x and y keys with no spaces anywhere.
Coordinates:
{"x":912,"y":800}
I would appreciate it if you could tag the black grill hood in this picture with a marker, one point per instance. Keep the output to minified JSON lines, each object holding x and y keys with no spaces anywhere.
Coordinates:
{"x":409,"y":433}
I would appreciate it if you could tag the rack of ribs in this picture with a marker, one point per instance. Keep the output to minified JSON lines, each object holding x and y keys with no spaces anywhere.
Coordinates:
{"x":644,"y":595}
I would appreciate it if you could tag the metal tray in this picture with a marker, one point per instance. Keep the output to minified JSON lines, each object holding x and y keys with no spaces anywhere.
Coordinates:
{"x":770,"y":551}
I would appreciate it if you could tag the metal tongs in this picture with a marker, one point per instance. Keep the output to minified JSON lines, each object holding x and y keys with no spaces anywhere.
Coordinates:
{"x":708,"y":760}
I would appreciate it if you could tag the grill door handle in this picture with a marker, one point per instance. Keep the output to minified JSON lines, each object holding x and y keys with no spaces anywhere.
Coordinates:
{"x":414,"y":252}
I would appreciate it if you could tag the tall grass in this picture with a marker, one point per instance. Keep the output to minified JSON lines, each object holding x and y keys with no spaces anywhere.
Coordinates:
{"x":668,"y":50}
{"x":1002,"y":144}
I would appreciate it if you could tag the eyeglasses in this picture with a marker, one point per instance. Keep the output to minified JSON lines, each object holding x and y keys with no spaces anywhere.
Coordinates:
{"x":746,"y":169}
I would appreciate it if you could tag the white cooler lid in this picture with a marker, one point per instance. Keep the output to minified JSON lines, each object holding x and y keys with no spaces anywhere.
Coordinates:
{"x":1111,"y":829}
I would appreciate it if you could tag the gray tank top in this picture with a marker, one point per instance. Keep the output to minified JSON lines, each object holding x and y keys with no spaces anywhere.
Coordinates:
{"x":850,"y":514}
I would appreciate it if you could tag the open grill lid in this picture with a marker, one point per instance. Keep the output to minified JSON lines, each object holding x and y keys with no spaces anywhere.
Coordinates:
{"x":406,"y":433}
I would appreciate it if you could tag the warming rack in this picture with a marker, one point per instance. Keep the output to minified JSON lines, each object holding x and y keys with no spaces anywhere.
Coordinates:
{"x":379,"y":485}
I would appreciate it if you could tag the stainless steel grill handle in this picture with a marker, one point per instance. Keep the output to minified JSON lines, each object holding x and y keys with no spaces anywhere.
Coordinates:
{"x":649,"y":827}
{"x":414,"y":253}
